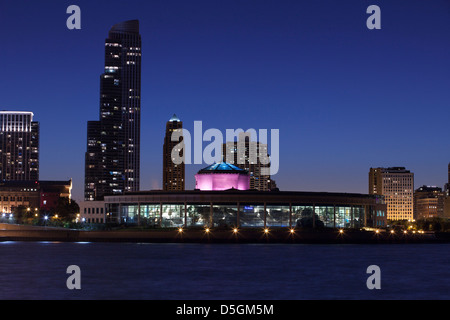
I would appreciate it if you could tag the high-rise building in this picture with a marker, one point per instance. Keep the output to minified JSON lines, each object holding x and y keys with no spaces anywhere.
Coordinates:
{"x":251,"y":156}
{"x":112,"y":163}
{"x":396,"y":184}
{"x":19,"y":146}
{"x":447,"y":185}
{"x":428,"y":202}
{"x":173,"y":171}
{"x":447,"y":196}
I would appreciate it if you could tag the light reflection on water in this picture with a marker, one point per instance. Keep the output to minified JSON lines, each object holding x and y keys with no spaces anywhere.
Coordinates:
{"x":37,"y":270}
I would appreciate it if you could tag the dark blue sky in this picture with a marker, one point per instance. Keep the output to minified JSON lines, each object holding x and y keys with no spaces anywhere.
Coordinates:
{"x":344,"y":98}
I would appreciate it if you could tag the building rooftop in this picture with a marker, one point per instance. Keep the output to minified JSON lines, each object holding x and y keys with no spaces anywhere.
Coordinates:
{"x":222,"y":167}
{"x":130,"y":26}
{"x":425,"y":188}
{"x":174,"y":118}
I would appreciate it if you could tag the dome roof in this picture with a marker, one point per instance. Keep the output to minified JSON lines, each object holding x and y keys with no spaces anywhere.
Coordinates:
{"x":222,"y":167}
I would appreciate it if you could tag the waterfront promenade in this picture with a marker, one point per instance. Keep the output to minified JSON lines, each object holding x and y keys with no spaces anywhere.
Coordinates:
{"x":10,"y":232}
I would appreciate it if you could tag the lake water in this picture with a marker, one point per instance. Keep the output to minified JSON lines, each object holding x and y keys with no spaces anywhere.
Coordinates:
{"x":37,"y":270}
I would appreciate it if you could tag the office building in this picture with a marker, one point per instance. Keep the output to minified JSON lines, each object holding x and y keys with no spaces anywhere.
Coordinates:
{"x":396,"y":184}
{"x":173,"y":170}
{"x":428,"y":202}
{"x":251,"y":156}
{"x":447,"y":196}
{"x":112,"y":161}
{"x":447,"y":185}
{"x":35,"y":195}
{"x":92,"y":212}
{"x":19,"y":146}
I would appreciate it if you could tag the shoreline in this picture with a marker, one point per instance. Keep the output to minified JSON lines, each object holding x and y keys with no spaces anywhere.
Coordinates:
{"x":253,"y":235}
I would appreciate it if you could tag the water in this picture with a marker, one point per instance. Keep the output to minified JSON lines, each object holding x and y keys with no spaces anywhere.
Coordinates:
{"x":37,"y":270}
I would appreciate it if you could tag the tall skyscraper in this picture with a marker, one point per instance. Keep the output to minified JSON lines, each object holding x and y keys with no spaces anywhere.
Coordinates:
{"x":447,"y":185}
{"x":173,"y":172}
{"x":19,"y":146}
{"x":447,"y":196}
{"x":112,"y":163}
{"x":247,"y":155}
{"x":396,"y":184}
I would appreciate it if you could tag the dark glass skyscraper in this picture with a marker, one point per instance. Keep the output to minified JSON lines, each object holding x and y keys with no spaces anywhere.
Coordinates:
{"x":447,"y":185}
{"x":19,"y":146}
{"x":113,"y":143}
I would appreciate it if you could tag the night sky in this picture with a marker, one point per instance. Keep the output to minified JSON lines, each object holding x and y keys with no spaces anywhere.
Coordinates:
{"x":345,"y":98}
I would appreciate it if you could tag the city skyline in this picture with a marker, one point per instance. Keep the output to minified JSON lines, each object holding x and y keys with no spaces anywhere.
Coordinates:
{"x":342,"y":104}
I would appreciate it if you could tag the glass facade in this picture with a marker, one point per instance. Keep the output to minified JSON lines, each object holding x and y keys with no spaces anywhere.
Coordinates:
{"x":277,"y":216}
{"x":325,"y":215}
{"x":198,"y":215}
{"x":302,"y":216}
{"x":150,"y":214}
{"x":251,"y":215}
{"x":172,"y":215}
{"x":128,"y":213}
{"x":243,"y":215}
{"x":225,"y":215}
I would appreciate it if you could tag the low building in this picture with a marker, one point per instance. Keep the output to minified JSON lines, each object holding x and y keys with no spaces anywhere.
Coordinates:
{"x":51,"y":191}
{"x":447,"y":196}
{"x":396,"y":184}
{"x":447,"y":207}
{"x":92,"y":212}
{"x":428,"y":202}
{"x":36,"y":195}
{"x":246,"y":208}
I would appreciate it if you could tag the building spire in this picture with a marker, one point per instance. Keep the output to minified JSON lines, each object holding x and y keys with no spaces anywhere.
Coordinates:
{"x":174,"y":118}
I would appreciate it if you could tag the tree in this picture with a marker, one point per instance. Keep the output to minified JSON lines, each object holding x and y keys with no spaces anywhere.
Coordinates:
{"x":66,"y":209}
{"x":22,"y":214}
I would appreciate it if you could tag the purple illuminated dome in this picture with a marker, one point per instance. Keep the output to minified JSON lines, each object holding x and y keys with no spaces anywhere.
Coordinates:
{"x":222,"y":176}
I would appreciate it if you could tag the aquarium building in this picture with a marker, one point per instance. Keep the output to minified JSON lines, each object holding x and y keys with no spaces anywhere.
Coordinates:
{"x":245,"y":208}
